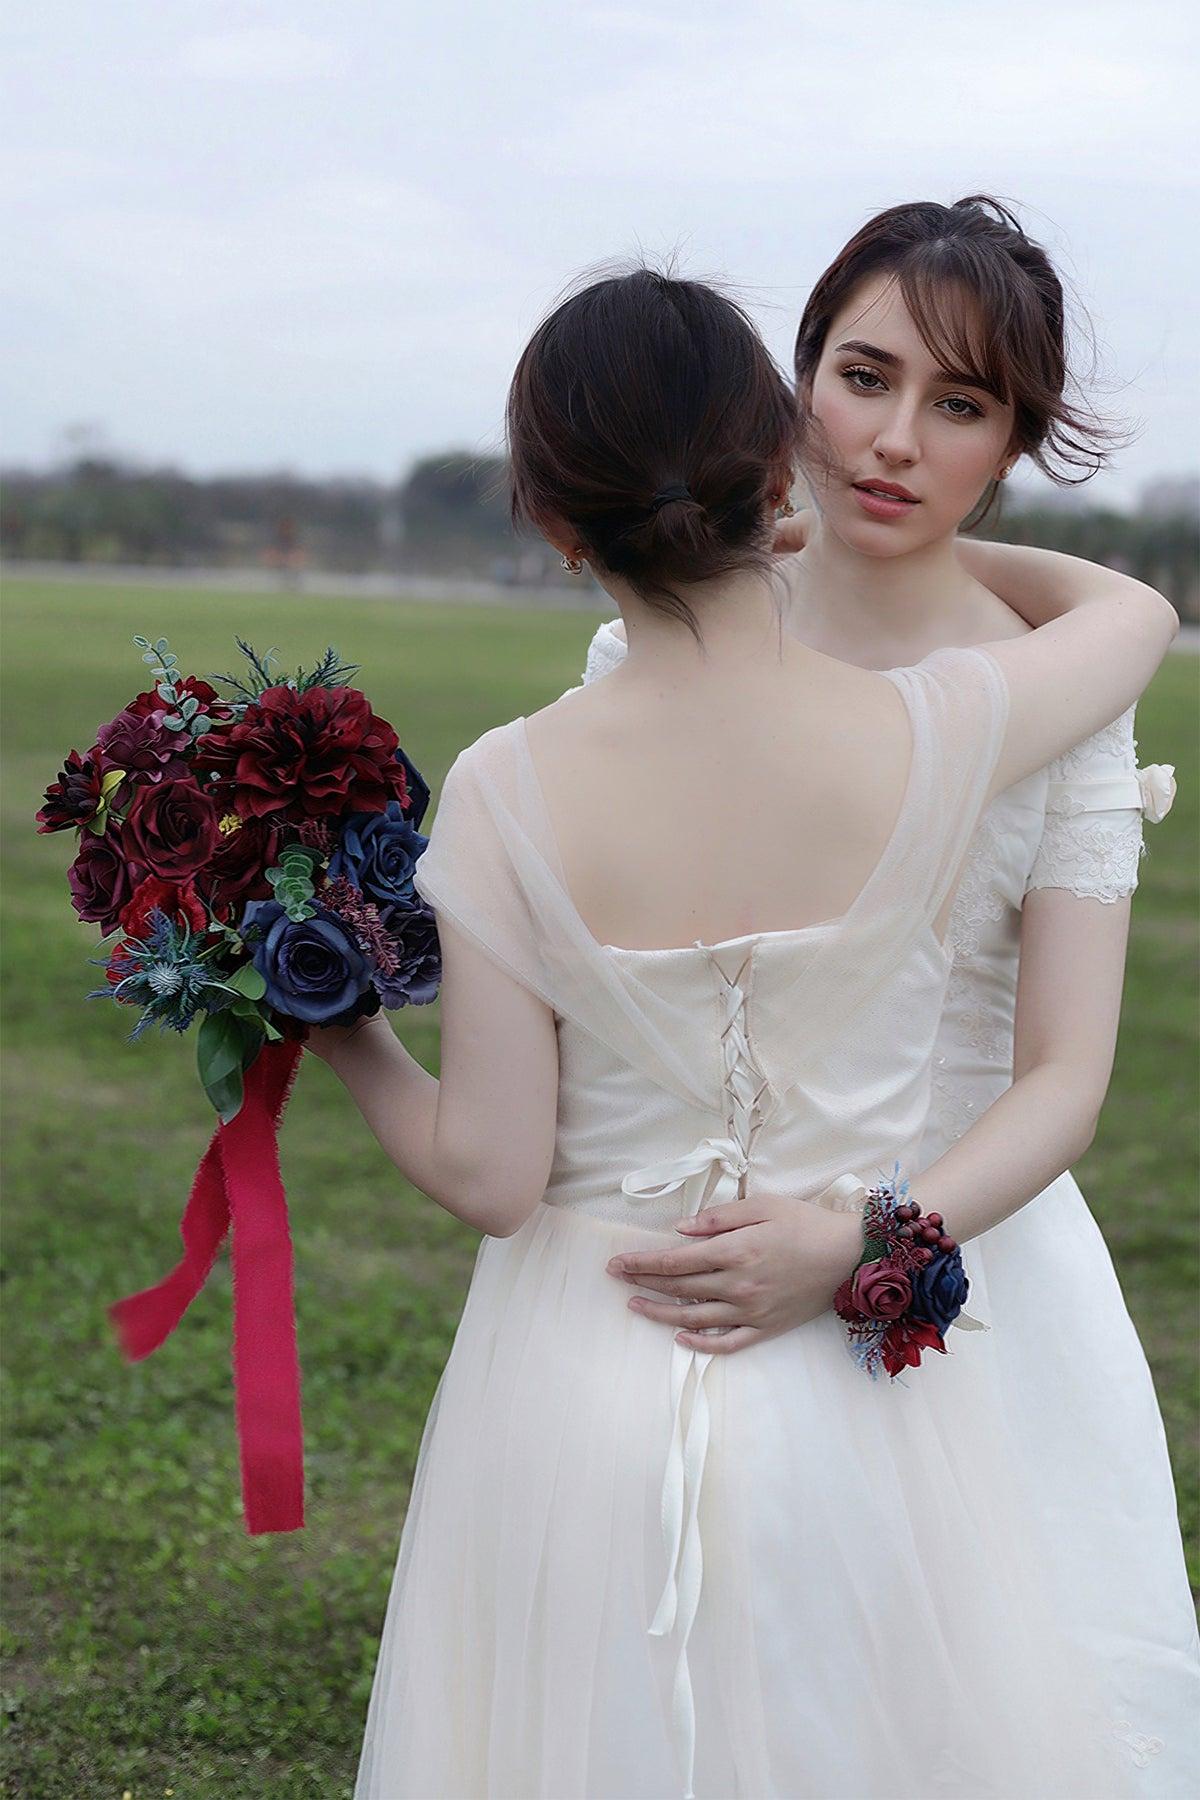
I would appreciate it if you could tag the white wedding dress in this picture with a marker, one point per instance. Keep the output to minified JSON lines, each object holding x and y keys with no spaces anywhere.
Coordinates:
{"x":631,"y":1571}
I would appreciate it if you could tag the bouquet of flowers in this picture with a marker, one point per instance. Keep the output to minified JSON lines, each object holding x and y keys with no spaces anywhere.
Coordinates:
{"x":908,"y":1287}
{"x":252,"y":854}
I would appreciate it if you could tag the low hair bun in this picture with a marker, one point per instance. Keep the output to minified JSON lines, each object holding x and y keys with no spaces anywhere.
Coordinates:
{"x":635,"y":374}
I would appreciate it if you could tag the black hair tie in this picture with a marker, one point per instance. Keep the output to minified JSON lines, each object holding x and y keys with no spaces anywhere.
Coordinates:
{"x":675,"y":490}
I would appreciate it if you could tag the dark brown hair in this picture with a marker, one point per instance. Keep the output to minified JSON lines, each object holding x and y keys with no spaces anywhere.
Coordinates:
{"x":646,"y":413}
{"x":1011,"y":336}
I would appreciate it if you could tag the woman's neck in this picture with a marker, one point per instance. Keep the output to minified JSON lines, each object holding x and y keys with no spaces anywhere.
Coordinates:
{"x":739,"y":617}
{"x":879,"y":611}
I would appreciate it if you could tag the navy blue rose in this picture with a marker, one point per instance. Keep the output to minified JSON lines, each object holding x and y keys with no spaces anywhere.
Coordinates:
{"x":378,"y":853}
{"x":414,"y":936}
{"x":418,"y":788}
{"x":313,"y":968}
{"x":939,"y":1290}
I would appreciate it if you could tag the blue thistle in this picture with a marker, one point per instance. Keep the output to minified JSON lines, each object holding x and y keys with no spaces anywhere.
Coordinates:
{"x":166,"y":975}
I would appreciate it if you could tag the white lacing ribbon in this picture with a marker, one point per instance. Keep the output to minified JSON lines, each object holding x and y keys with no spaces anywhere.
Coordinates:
{"x":709,"y":1174}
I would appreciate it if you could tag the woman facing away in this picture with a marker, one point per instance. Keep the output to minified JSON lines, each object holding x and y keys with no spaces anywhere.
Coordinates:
{"x":902,"y":406}
{"x":630,"y":1567}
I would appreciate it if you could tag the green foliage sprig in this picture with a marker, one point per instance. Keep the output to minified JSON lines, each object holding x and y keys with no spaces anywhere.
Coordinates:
{"x":330,"y":672}
{"x":292,"y":880}
{"x":185,"y":715}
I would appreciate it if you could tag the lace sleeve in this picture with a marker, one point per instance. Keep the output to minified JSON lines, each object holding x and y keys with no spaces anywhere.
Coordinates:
{"x":1092,"y":839}
{"x":605,"y":652}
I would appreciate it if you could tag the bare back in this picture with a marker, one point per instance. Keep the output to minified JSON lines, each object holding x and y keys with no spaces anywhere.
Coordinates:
{"x":758,"y":797}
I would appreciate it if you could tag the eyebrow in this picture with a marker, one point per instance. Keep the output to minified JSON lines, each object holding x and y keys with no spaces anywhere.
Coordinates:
{"x":889,"y":359}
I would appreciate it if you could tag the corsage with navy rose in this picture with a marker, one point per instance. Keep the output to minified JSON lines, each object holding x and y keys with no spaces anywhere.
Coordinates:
{"x":253,"y":853}
{"x":908,"y":1287}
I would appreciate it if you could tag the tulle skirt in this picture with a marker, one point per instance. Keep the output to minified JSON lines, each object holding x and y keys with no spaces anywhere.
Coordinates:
{"x":879,"y":1614}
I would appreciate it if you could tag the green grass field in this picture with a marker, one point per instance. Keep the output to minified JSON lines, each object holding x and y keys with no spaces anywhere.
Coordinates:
{"x":150,"y":1646}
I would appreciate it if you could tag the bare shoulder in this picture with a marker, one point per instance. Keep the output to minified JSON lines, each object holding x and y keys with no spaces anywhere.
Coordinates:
{"x":579,"y":715}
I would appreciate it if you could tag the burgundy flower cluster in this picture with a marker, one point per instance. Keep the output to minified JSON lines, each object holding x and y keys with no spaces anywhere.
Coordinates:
{"x":207,"y":826}
{"x":908,"y":1288}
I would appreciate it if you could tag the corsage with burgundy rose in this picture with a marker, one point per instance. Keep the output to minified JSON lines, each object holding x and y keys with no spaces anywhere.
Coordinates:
{"x":252,"y":854}
{"x":908,"y":1288}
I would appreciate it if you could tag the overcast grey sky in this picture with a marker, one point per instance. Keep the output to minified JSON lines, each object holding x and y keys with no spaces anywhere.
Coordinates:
{"x":317,"y":236}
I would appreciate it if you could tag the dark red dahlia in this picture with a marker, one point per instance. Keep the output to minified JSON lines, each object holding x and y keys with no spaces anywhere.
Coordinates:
{"x":172,"y":827}
{"x":75,"y":797}
{"x":306,"y":755}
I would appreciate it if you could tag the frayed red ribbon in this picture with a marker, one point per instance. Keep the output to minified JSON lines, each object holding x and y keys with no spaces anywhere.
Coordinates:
{"x":238,"y":1184}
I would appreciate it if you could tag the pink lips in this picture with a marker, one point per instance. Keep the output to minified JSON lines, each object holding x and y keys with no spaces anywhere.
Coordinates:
{"x":885,"y":502}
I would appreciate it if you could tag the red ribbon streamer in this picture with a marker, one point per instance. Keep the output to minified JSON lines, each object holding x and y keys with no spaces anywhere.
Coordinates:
{"x":238,"y":1184}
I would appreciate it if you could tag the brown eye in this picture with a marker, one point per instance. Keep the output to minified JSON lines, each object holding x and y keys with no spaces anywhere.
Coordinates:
{"x":863,"y":381}
{"x":969,"y":409}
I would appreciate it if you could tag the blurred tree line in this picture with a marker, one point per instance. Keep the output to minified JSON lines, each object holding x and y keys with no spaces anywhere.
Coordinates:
{"x":449,"y":516}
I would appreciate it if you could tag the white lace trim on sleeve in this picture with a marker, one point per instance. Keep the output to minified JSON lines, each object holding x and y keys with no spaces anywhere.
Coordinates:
{"x":1095,"y":804}
{"x":1094,"y":855}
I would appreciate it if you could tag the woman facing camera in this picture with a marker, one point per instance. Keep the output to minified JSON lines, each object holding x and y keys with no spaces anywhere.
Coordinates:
{"x":932,"y":328}
{"x":633,"y":1567}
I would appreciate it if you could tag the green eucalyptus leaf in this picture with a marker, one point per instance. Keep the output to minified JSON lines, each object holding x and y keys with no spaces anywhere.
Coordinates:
{"x":161,"y":645}
{"x":142,"y":643}
{"x":149,"y":657}
{"x":226,"y":1095}
{"x":190,"y":707}
{"x":248,"y":981}
{"x":218,"y":1047}
{"x":200,"y":726}
{"x":172,"y":721}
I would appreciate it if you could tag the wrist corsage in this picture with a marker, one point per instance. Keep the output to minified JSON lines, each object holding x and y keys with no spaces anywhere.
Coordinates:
{"x":908,"y":1287}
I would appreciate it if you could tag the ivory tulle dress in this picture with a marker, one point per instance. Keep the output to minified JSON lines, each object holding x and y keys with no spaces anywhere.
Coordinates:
{"x":633,"y":1571}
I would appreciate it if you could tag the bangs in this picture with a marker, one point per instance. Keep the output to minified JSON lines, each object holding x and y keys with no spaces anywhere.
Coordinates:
{"x":963,"y":314}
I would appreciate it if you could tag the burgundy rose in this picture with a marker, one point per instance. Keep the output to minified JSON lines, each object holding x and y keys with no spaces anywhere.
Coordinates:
{"x":236,"y":870}
{"x":140,"y":744}
{"x":880,"y":1290}
{"x":101,"y":880}
{"x":75,"y":797}
{"x":172,"y":827}
{"x":306,"y":755}
{"x":179,"y":900}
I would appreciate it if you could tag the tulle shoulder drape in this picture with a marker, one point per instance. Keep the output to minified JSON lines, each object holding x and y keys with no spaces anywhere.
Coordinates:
{"x":492,"y":868}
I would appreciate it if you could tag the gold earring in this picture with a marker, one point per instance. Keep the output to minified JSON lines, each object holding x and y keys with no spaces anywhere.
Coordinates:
{"x":1004,"y":473}
{"x":573,"y":565}
{"x":785,"y":509}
